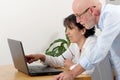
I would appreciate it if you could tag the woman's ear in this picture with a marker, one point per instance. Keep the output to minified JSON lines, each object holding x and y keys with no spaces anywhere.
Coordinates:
{"x":83,"y":31}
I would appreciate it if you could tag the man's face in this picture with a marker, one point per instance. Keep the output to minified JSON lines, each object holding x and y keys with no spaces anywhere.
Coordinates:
{"x":83,"y":14}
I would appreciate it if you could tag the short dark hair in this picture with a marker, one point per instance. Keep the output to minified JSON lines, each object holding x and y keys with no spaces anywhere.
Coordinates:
{"x":71,"y":19}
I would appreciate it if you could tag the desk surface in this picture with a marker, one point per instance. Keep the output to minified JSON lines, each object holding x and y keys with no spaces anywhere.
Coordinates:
{"x":8,"y":72}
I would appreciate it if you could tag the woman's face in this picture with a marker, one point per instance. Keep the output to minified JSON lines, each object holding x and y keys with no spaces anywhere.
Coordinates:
{"x":75,"y":35}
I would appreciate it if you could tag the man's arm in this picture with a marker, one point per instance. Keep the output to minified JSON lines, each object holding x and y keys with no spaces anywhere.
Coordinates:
{"x":77,"y":70}
{"x":70,"y":75}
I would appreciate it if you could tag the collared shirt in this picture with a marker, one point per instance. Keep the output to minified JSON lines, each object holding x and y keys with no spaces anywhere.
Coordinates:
{"x":109,"y":38}
{"x":73,"y":49}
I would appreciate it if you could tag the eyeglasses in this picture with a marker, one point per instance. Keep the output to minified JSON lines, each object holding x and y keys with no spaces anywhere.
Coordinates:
{"x":79,"y":15}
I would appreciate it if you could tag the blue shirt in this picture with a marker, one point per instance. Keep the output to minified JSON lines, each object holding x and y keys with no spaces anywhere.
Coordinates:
{"x":109,"y":39}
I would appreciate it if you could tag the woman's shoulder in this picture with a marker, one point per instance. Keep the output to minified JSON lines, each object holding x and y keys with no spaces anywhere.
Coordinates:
{"x":92,"y":38}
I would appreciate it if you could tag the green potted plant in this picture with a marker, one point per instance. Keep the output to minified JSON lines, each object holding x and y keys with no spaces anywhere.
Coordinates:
{"x":57,"y":47}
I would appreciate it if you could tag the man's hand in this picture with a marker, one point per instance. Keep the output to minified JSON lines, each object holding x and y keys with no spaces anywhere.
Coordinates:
{"x":64,"y":76}
{"x":70,"y":75}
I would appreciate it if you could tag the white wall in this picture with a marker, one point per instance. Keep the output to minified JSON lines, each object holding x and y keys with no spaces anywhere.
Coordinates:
{"x":116,"y":2}
{"x":35,"y":22}
{"x":103,"y":1}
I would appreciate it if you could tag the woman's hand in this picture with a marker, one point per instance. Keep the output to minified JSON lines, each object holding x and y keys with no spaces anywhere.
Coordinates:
{"x":68,"y":63}
{"x":34,"y":57}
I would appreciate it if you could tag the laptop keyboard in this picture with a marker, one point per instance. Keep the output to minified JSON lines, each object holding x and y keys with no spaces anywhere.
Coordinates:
{"x":41,"y":69}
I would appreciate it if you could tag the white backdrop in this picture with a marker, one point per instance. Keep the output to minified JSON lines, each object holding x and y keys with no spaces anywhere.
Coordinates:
{"x":35,"y":22}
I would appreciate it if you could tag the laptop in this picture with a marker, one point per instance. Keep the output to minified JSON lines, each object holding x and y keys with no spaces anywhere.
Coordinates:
{"x":20,"y":63}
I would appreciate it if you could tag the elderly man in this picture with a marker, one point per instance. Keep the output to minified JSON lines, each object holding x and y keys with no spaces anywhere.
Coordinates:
{"x":106,"y":18}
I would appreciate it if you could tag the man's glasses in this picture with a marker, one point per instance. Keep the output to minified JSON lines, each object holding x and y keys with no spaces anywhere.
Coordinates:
{"x":79,"y":15}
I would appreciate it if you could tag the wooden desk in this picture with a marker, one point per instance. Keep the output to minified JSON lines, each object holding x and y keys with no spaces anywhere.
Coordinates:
{"x":8,"y":72}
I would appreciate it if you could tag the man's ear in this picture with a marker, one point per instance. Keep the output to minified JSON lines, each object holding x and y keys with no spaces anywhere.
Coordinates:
{"x":94,"y":11}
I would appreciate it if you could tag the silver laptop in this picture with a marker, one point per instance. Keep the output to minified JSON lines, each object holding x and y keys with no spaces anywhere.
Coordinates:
{"x":20,"y":63}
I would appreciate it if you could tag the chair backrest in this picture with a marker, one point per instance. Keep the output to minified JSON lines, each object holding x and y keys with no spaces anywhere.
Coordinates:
{"x":103,"y":70}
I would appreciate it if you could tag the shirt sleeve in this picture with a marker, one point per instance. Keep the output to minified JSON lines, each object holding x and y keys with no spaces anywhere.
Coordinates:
{"x":111,"y":28}
{"x":54,"y":61}
{"x":59,"y":61}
